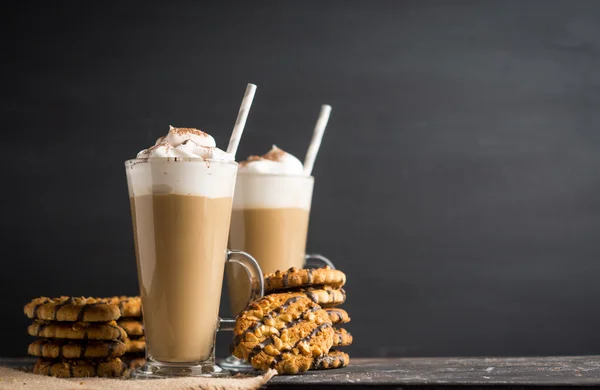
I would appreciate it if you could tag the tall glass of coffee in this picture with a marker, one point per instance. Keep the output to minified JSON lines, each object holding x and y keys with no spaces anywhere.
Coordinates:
{"x":181,"y":210}
{"x":270,"y":216}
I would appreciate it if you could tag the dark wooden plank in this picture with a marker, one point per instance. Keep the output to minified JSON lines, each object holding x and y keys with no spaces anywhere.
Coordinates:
{"x":435,"y":372}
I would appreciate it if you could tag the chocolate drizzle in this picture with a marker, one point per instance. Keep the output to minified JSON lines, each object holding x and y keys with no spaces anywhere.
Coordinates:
{"x":339,"y":338}
{"x":83,"y":347}
{"x":286,"y":280}
{"x":35,"y":309}
{"x":337,"y":316}
{"x":40,"y":327}
{"x":259,"y":347}
{"x":324,"y":359}
{"x":118,"y":328}
{"x":111,"y":348}
{"x":60,"y":305}
{"x":329,"y":359}
{"x":83,"y":309}
{"x":310,"y":276}
{"x":60,"y":348}
{"x":41,"y":347}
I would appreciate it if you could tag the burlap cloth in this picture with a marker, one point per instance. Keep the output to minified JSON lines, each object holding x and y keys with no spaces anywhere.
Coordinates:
{"x":14,"y":379}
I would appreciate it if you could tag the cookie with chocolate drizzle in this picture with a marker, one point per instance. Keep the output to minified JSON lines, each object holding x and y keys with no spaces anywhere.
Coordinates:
{"x":131,"y":326}
{"x":77,"y":330}
{"x":324,"y":296}
{"x":333,"y":359}
{"x":296,"y":277}
{"x":81,"y":368}
{"x":284,"y":331}
{"x":337,"y":315}
{"x":72,"y":309}
{"x":341,"y":338}
{"x":128,"y":306}
{"x":69,"y":349}
{"x":135,"y":345}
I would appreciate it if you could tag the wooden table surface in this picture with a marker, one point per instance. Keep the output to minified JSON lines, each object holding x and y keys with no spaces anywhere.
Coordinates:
{"x":430,"y":373}
{"x":442,"y":373}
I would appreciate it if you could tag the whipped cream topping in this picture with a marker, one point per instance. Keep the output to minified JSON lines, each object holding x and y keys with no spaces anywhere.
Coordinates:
{"x":275,"y":162}
{"x":186,"y":142}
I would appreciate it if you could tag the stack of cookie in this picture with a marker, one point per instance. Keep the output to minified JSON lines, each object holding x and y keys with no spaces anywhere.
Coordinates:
{"x":131,"y":322}
{"x":293,"y":328}
{"x":80,"y":337}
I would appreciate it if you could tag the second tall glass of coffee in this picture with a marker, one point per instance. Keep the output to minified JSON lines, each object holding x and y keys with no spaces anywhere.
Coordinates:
{"x":270,"y":217}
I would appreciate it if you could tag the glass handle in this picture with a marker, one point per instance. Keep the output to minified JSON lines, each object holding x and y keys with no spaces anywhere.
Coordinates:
{"x":257,"y":282}
{"x":318,"y":261}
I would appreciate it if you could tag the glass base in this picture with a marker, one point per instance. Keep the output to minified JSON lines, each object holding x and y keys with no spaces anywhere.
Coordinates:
{"x":156,"y":370}
{"x":231,"y":363}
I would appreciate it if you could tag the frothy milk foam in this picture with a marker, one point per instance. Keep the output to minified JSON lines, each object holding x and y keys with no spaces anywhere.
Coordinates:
{"x":181,"y":196}
{"x":180,"y":144}
{"x":270,"y":181}
{"x":270,"y":216}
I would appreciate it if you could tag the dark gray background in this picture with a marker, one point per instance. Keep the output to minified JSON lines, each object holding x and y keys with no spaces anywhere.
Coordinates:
{"x":457,"y":184}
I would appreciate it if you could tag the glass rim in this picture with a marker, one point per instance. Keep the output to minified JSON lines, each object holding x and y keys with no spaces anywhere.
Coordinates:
{"x":278,"y":175}
{"x":179,"y":160}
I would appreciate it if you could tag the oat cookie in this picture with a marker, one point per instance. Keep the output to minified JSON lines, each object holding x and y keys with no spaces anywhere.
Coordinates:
{"x":57,"y":348}
{"x":132,"y":326}
{"x":77,"y":330}
{"x":72,"y":309}
{"x":337,"y":316}
{"x":282,"y":331}
{"x":325,"y":296}
{"x":135,"y":345}
{"x":341,"y":338}
{"x":296,"y":277}
{"x":333,"y":359}
{"x":128,"y":306}
{"x":80,"y":368}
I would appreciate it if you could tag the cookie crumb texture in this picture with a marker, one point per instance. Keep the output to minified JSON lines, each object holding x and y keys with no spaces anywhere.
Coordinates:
{"x":286,"y":332}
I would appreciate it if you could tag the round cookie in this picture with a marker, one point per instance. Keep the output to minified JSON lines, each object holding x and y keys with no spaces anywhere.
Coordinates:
{"x":325,"y":296}
{"x":80,"y":368}
{"x":296,"y":277}
{"x":333,"y":359}
{"x":137,"y":345}
{"x":341,"y":338}
{"x":77,"y":330}
{"x":132,"y":327}
{"x":56,"y":348}
{"x":72,"y":309}
{"x":128,"y":306}
{"x":337,"y":316}
{"x":282,"y":331}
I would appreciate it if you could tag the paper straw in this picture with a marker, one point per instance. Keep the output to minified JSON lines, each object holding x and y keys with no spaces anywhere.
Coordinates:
{"x":315,"y":143}
{"x":238,"y":129}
